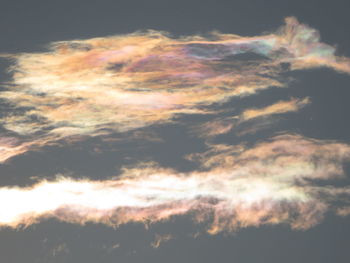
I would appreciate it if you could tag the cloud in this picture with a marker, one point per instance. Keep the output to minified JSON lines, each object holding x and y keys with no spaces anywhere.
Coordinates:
{"x":119,"y":83}
{"x":159,"y":239}
{"x":273,"y":182}
{"x":59,"y":250}
{"x":226,"y":124}
{"x":111,"y":248}
{"x":277,"y":108}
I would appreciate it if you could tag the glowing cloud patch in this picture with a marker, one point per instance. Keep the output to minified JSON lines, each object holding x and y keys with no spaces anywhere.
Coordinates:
{"x":118,"y":83}
{"x":271,"y":183}
{"x":110,"y":85}
{"x":224,"y":125}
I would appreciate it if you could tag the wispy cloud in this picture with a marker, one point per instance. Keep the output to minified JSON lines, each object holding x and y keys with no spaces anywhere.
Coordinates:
{"x":277,"y":108}
{"x":104,"y":86}
{"x":119,"y":83}
{"x":159,"y":239}
{"x":224,"y":125}
{"x":271,"y":183}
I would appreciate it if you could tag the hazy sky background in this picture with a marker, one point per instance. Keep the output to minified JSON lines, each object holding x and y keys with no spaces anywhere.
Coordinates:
{"x":27,"y":26}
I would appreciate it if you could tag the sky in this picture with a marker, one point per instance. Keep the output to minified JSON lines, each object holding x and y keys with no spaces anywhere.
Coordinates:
{"x":167,"y":131}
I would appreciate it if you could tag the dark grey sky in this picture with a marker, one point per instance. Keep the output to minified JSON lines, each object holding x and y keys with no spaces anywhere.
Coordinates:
{"x":27,"y":26}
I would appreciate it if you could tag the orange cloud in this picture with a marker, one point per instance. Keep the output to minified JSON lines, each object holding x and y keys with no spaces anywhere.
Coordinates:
{"x":159,"y":239}
{"x":102,"y":86}
{"x":274,"y":182}
{"x":277,"y":108}
{"x":119,"y":83}
{"x":224,"y":125}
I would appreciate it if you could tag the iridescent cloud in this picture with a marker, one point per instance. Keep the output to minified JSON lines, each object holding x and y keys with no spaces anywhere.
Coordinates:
{"x":271,"y":183}
{"x":224,"y":125}
{"x":118,"y":83}
{"x":111,"y":85}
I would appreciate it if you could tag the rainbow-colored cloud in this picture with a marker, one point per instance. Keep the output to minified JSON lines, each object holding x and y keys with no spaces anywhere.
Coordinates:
{"x":104,"y":86}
